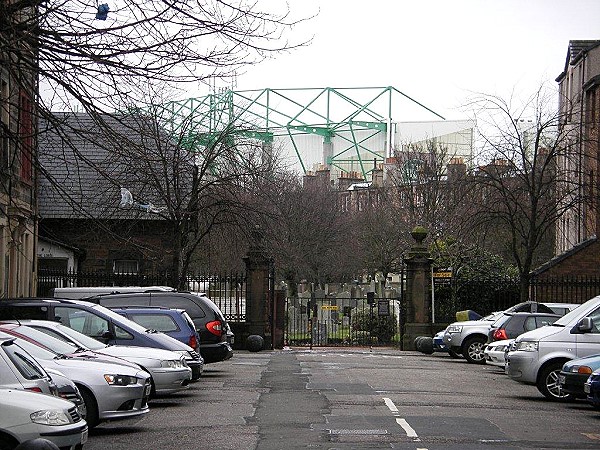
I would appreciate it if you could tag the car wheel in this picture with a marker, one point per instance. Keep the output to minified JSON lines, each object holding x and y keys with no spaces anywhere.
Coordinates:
{"x":8,"y":443}
{"x":91,"y":407}
{"x":454,"y":354}
{"x":548,"y":383}
{"x":473,"y":350}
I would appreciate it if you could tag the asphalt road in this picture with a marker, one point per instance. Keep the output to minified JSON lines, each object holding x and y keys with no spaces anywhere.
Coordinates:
{"x":354,"y":399}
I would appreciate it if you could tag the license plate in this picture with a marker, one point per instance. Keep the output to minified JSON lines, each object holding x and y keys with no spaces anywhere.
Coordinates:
{"x":561,"y":379}
{"x":586,"y":388}
{"x":84,"y":436}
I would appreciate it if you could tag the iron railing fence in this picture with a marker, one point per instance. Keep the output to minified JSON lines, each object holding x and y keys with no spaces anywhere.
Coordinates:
{"x":481,"y":296}
{"x":564,"y":289}
{"x":228,"y":291}
{"x":344,"y":322}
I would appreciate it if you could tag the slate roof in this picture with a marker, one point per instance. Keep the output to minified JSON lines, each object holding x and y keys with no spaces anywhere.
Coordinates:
{"x":83,"y":167}
{"x":577,"y":48}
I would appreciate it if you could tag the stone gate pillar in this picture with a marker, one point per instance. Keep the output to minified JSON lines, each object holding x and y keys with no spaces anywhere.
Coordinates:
{"x":418,"y":289}
{"x":259,"y":271}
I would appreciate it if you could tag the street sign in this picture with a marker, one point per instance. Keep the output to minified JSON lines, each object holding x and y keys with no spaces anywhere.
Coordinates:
{"x":383,"y":308}
{"x":330,"y":307}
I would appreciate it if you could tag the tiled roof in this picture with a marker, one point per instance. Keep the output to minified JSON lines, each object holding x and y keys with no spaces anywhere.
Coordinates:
{"x":559,"y":258}
{"x":83,"y":168}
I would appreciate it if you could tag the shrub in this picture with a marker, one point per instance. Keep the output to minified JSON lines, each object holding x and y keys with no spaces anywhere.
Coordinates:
{"x":383,"y":328}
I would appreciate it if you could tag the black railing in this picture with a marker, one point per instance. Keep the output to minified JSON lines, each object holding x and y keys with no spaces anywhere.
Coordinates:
{"x":228,"y":291}
{"x":565,"y":289}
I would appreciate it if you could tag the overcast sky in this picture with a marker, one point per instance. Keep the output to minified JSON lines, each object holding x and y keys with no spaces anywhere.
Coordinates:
{"x":436,"y":51}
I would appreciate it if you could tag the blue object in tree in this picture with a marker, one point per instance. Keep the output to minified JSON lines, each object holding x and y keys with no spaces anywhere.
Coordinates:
{"x":102,"y":13}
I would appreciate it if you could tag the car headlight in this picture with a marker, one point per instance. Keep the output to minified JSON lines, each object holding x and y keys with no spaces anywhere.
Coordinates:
{"x":50,"y":417}
{"x":584,"y":370}
{"x":120,"y":380}
{"x":172,"y":364}
{"x":528,"y":346}
{"x":454,"y":329}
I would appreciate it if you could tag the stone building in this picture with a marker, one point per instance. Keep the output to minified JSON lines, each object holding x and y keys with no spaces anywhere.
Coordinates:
{"x":18,"y":89}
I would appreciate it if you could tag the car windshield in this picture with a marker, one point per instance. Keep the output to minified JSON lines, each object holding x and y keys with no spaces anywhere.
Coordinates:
{"x":570,"y":316}
{"x":36,"y":351}
{"x":75,"y":336}
{"x":500,"y":320}
{"x":56,"y":345}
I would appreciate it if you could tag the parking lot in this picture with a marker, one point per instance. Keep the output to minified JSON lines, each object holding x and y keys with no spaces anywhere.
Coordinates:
{"x":338,"y":398}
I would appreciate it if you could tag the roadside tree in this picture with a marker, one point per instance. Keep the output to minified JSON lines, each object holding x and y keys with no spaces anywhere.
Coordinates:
{"x":529,"y":184}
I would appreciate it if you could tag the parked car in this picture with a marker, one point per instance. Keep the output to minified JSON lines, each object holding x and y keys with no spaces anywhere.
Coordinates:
{"x":495,"y":352}
{"x":173,"y":322}
{"x":168,"y":370}
{"x":208,"y":319}
{"x":592,"y":389}
{"x":27,"y":415}
{"x":68,"y":390}
{"x":540,"y":354}
{"x":511,"y":325}
{"x":575,"y":373}
{"x":20,"y":370}
{"x":110,"y":391}
{"x":99,"y":323}
{"x":469,"y":338}
{"x":81,"y":293}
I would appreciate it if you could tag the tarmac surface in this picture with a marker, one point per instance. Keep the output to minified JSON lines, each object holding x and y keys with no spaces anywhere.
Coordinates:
{"x":354,"y":398}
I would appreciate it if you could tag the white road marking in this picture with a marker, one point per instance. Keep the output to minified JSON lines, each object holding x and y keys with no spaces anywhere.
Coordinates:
{"x":410,"y":432}
{"x":407,"y":428}
{"x":390,"y":405}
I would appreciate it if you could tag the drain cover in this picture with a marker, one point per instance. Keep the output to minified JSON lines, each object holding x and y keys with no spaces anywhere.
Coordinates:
{"x":358,"y":432}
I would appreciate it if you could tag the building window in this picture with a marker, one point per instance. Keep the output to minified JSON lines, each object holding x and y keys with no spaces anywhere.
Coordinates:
{"x":125,"y":266}
{"x":4,"y":121}
{"x":26,"y":135}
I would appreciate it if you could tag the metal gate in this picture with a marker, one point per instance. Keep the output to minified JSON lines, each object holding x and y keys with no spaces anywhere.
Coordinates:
{"x":363,"y":321}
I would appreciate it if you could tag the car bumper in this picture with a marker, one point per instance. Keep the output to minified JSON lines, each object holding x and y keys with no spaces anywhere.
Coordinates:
{"x":124,"y":402}
{"x":67,"y":436}
{"x":593,"y":392}
{"x":216,"y":352}
{"x":168,"y":381}
{"x":452,"y":340}
{"x":495,"y":358}
{"x":572,"y":383}
{"x":522,"y":366}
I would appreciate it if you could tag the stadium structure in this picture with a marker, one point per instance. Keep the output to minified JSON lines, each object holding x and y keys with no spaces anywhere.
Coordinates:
{"x":345,"y":130}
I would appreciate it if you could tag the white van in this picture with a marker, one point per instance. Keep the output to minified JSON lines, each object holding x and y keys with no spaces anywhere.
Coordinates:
{"x":540,"y":354}
{"x":84,"y":292}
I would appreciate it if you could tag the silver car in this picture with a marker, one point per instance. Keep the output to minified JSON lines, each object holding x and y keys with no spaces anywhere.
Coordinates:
{"x":27,"y":415}
{"x":168,"y":370}
{"x":110,"y":391}
{"x":20,"y":370}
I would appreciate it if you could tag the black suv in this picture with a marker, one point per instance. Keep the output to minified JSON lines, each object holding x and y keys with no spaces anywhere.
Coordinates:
{"x":207,"y":317}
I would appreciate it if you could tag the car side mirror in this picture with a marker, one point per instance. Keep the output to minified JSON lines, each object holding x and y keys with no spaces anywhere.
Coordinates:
{"x":105,"y":337}
{"x":585,"y":325}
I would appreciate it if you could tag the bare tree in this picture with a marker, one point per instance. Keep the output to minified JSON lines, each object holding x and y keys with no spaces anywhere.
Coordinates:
{"x":186,"y":184}
{"x":530,"y":181}
{"x":310,"y":237}
{"x":104,"y":57}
